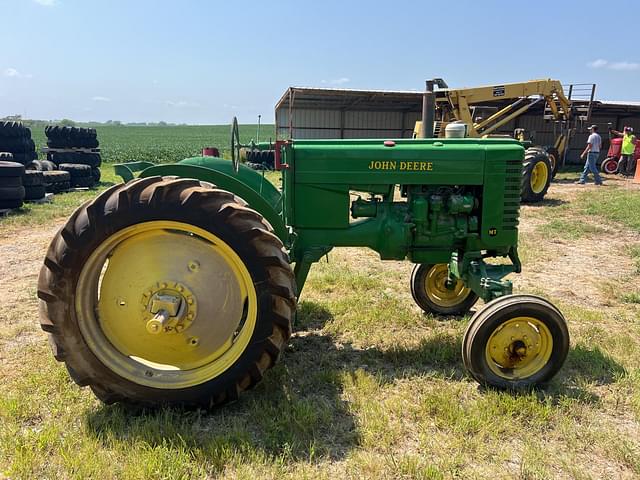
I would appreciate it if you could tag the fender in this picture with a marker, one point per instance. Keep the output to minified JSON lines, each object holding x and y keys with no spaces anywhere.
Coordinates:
{"x":245,"y":174}
{"x":264,"y":202}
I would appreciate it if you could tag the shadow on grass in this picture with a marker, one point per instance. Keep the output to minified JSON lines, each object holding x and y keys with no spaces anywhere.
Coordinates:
{"x":548,"y":202}
{"x":592,"y":365}
{"x":298,"y":411}
{"x":565,"y":181}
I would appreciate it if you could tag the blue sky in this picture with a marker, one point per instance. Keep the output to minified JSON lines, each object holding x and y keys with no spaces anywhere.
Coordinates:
{"x":205,"y":61}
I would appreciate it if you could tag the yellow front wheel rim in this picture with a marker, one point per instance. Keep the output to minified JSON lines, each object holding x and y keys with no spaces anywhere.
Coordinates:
{"x":519,"y":348}
{"x":440,"y":292}
{"x":539,"y":177}
{"x":131,"y":275}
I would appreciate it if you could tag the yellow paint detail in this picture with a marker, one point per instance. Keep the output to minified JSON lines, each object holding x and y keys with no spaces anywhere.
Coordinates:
{"x":519,"y":348}
{"x":539,"y":177}
{"x":401,"y":166}
{"x":437,"y":290}
{"x":118,"y":289}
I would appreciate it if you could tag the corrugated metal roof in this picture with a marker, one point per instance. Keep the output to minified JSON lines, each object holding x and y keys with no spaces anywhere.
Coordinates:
{"x":619,"y":102}
{"x":393,"y":100}
{"x":347,"y":99}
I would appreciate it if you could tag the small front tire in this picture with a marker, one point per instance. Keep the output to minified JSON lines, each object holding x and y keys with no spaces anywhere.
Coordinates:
{"x":516,"y":342}
{"x":609,"y":166}
{"x":433,"y":293}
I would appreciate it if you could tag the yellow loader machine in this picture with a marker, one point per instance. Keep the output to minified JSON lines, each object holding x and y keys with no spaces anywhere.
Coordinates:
{"x":476,"y":108}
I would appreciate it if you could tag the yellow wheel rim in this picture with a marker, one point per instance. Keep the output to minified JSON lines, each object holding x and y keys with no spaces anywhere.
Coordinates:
{"x":439,"y":292}
{"x":519,"y":348}
{"x":539,"y":177}
{"x":176,"y":269}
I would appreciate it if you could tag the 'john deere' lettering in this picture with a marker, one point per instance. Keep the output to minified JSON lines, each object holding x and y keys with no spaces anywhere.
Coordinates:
{"x":402,"y":166}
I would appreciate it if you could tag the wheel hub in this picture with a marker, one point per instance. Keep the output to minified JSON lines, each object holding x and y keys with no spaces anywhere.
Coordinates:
{"x":519,"y":347}
{"x":169,"y":308}
{"x":443,"y":291}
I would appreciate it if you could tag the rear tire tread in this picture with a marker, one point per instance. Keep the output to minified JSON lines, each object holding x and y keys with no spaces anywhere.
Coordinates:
{"x":56,"y":291}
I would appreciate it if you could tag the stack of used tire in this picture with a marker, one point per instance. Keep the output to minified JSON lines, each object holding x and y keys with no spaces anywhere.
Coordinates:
{"x":15,"y":138}
{"x":80,"y":175}
{"x":12,"y":192}
{"x":72,"y":149}
{"x":34,"y":185}
{"x":53,"y":180}
{"x":56,"y":181}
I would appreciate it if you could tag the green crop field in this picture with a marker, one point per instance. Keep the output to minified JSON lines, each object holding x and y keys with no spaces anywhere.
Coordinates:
{"x":163,"y":144}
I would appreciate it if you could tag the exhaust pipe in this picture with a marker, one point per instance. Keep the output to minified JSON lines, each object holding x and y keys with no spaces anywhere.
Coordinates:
{"x":429,"y":107}
{"x":428,"y":111}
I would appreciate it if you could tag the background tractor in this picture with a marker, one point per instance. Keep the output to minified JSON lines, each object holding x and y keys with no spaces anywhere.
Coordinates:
{"x":177,"y":288}
{"x":610,"y":163}
{"x":473,"y":107}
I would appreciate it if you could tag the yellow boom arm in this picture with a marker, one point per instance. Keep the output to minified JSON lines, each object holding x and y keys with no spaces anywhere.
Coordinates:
{"x":525,"y":94}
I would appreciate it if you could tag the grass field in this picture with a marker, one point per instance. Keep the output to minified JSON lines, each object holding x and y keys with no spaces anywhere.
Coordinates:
{"x":368,"y":387}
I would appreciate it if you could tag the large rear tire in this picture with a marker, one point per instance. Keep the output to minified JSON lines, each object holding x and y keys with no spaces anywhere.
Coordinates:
{"x":536,"y":176}
{"x":206,"y":308}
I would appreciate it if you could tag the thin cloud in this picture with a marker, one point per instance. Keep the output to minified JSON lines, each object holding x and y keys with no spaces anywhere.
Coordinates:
{"x":46,"y":3}
{"x":181,"y":104}
{"x":13,"y":73}
{"x":624,"y":66}
{"x":620,"y":66}
{"x":98,"y":98}
{"x":337,"y":81}
{"x":599,"y":63}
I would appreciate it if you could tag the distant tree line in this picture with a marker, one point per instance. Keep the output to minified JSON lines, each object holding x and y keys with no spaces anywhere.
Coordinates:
{"x":66,"y":122}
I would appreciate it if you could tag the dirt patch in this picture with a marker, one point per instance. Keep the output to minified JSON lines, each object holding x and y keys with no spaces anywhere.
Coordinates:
{"x":582,"y":271}
{"x":21,"y":256}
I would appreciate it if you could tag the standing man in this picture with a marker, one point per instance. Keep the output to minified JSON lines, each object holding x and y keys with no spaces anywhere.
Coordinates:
{"x":627,"y":164}
{"x":592,"y":151}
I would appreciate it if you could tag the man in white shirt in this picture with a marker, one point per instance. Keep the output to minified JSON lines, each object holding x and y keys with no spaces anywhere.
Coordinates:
{"x":592,"y":152}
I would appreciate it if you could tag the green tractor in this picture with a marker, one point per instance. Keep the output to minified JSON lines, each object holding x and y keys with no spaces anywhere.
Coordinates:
{"x":177,"y":287}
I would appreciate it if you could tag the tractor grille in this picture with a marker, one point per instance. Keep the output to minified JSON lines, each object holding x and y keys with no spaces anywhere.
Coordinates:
{"x":512,"y":185}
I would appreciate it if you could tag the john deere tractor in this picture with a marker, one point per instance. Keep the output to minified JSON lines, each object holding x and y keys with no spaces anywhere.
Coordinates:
{"x":179,"y":287}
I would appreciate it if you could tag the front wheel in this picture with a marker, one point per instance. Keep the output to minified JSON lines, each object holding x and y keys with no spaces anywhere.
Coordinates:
{"x":434,"y":293}
{"x":609,"y":166}
{"x":167,"y":291}
{"x":536,"y":175}
{"x":516,"y":342}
